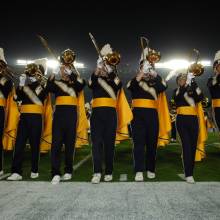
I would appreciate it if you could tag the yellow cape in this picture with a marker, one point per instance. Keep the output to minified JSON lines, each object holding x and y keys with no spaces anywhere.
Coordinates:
{"x":200,"y":151}
{"x":46,"y":137}
{"x":164,"y":120}
{"x":124,"y":115}
{"x":11,"y":122}
{"x":82,"y":123}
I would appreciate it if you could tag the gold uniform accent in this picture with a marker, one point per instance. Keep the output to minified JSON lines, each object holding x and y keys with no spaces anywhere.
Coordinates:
{"x":66,"y":100}
{"x":104,"y":102}
{"x":32,"y":108}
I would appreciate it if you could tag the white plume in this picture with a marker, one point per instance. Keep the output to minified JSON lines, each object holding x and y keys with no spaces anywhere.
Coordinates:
{"x":43,"y":62}
{"x":217,"y":56}
{"x":2,"y":57}
{"x":176,"y":73}
{"x":106,"y":49}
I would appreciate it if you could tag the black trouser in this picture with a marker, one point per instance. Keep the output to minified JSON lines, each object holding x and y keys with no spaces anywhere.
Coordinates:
{"x":217,"y":116}
{"x":103,"y":131}
{"x":173,"y":131}
{"x":29,"y":127}
{"x":2,"y":121}
{"x":188,"y":129}
{"x":145,"y":130}
{"x":63,"y":132}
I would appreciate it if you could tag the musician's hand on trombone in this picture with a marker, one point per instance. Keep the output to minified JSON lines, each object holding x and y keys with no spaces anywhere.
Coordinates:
{"x":101,"y":72}
{"x":190,"y":77}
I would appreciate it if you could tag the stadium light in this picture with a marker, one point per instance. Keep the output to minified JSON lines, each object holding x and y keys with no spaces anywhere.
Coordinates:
{"x":53,"y":64}
{"x":23,"y":62}
{"x":179,"y":64}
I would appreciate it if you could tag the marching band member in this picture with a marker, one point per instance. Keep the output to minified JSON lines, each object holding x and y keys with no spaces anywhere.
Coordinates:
{"x":214,"y":88}
{"x":190,"y":119}
{"x":107,"y":104}
{"x":32,"y":97}
{"x":67,"y":91}
{"x":5,"y":88}
{"x":146,"y":90}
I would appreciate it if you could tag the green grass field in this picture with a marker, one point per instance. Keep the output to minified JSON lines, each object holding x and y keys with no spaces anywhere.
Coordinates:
{"x":169,"y":163}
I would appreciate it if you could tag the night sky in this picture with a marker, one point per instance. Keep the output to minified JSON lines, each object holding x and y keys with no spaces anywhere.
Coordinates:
{"x":173,"y":29}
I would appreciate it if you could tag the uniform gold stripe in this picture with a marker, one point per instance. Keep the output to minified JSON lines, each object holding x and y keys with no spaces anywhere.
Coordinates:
{"x":215,"y":103}
{"x":2,"y":102}
{"x":144,"y":103}
{"x":66,"y":100}
{"x":103,"y":102}
{"x":37,"y":109}
{"x":186,"y":110}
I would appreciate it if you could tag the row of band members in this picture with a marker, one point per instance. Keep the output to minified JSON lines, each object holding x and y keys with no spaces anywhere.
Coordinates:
{"x":111,"y":114}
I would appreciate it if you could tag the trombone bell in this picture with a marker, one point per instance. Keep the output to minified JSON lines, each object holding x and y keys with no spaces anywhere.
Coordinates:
{"x":197,"y":69}
{"x":113,"y":59}
{"x":68,"y":57}
{"x":153,"y":56}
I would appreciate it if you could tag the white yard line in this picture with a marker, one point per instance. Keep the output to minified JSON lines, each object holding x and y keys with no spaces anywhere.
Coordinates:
{"x":81,"y":162}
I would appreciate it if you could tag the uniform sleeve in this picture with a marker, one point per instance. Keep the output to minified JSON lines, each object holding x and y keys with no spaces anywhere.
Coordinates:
{"x":93,"y":81}
{"x":195,"y":92}
{"x":160,"y":84}
{"x":174,"y":96}
{"x":6,"y":88}
{"x":114,"y":81}
{"x":19,"y":94}
{"x":43,"y":94}
{"x":132,"y":84}
{"x":78,"y":83}
{"x":213,"y":81}
{"x":178,"y":94}
{"x":51,"y":87}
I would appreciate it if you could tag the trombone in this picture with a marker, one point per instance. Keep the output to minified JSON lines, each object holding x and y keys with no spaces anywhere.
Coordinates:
{"x":6,"y":71}
{"x":196,"y":68}
{"x":68,"y":61}
{"x":112,"y":59}
{"x":152,"y":56}
{"x":33,"y":70}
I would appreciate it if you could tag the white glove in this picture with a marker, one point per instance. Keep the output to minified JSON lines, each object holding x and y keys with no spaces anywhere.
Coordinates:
{"x":32,"y":79}
{"x":190,"y":76}
{"x":147,"y":68}
{"x":22,"y":79}
{"x":100,"y":63}
{"x":109,"y":68}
